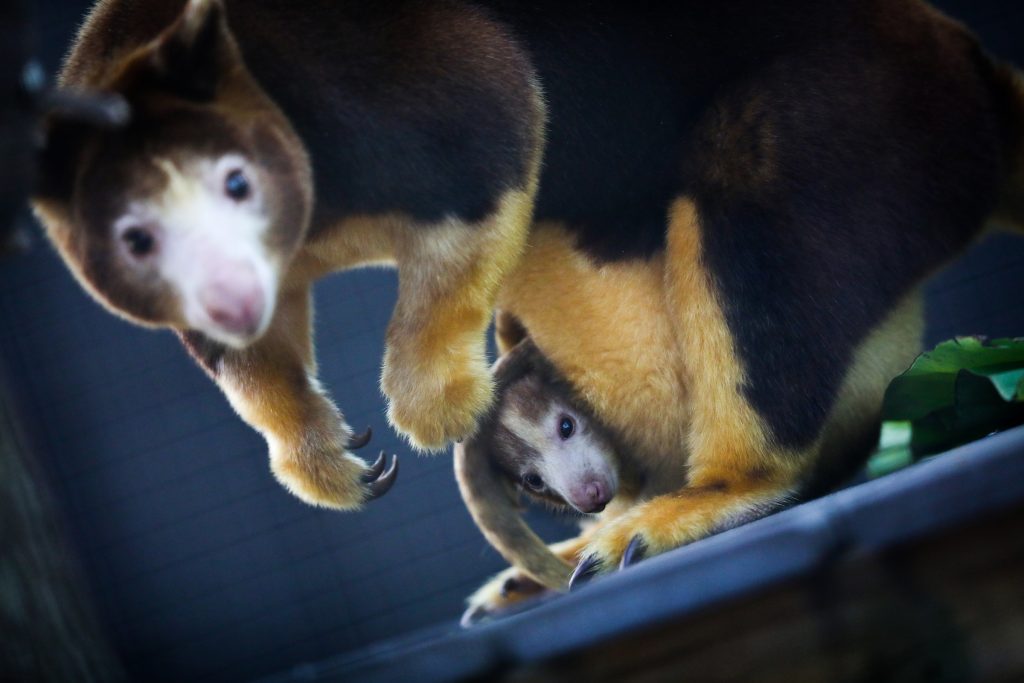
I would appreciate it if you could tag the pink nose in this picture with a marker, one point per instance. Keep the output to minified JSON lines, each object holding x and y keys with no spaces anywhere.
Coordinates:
{"x":234,"y":303}
{"x":591,"y":495}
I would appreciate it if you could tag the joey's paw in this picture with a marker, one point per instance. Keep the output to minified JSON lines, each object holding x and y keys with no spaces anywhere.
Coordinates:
{"x":433,"y":410}
{"x":508,"y":588}
{"x":333,"y":479}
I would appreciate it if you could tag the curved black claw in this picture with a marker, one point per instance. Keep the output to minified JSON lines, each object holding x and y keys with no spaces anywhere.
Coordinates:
{"x":382,"y":484}
{"x":357,"y":441}
{"x":510,"y":586}
{"x":373,"y":473}
{"x":473,"y":616}
{"x":635,"y":551}
{"x":584,"y":572}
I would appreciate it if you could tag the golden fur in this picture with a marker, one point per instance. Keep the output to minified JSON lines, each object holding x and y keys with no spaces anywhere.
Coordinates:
{"x":694,"y":441}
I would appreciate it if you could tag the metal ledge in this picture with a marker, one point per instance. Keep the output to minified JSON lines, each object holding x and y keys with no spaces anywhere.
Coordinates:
{"x":982,"y":477}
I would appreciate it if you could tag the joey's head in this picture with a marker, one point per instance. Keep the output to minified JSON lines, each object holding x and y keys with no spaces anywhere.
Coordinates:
{"x":543,"y":439}
{"x":551,"y":448}
{"x":188,"y":215}
{"x":537,"y":438}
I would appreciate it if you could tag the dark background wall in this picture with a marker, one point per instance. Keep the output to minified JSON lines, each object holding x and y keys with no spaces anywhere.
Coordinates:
{"x":202,"y":566}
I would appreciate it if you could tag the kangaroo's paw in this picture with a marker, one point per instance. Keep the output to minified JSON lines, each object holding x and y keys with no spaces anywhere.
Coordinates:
{"x":434,"y":408}
{"x":331,"y":477}
{"x":657,"y":526}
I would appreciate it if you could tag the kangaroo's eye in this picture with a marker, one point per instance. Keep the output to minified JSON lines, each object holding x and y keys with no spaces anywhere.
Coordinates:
{"x":533,"y":481}
{"x":139,"y":240}
{"x":566,"y":427}
{"x":236,"y":185}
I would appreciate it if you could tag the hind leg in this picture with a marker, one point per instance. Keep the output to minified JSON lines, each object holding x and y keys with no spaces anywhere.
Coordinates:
{"x":773,"y":355}
{"x":737,"y":469}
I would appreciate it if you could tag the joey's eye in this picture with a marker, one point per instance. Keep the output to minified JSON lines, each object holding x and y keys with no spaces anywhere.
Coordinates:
{"x":139,"y":240}
{"x":566,"y":427}
{"x":533,"y":481}
{"x":236,"y":185}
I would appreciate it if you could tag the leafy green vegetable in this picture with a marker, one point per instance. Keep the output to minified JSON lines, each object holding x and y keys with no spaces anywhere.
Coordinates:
{"x":893,"y":449}
{"x":962,"y":390}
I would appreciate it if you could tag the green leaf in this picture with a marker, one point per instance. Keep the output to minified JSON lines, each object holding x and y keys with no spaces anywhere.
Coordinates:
{"x":889,"y":460}
{"x":962,"y":390}
{"x":1009,"y":383}
{"x":895,"y":434}
{"x":893,"y":449}
{"x":930,"y":383}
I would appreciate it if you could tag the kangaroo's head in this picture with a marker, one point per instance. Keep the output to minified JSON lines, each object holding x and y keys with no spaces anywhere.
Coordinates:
{"x":189,"y":214}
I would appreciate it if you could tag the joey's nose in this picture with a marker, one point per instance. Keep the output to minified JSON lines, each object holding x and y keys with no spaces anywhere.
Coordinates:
{"x":592,"y":496}
{"x":236,"y":305}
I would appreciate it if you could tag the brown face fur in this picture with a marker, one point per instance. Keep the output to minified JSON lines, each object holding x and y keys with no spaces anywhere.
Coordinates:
{"x":544,"y":441}
{"x":196,"y":118}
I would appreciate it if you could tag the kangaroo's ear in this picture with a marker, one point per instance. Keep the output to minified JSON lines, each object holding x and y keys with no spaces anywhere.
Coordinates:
{"x":520,"y":360}
{"x":69,"y":119}
{"x":192,"y":57}
{"x":57,"y":161}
